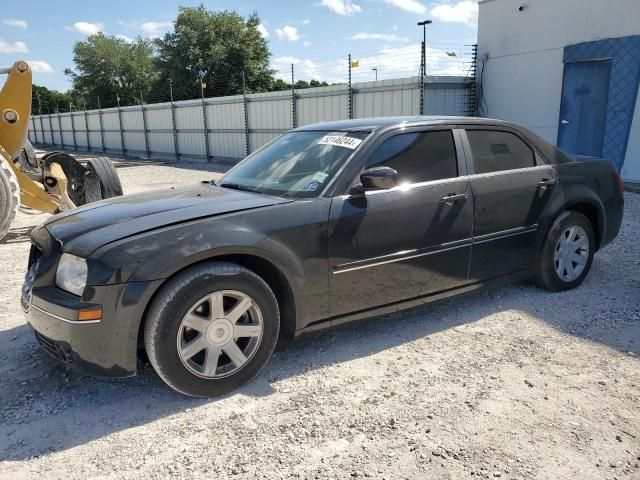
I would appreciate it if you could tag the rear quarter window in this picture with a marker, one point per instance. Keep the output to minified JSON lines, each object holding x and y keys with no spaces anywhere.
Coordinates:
{"x":494,"y":151}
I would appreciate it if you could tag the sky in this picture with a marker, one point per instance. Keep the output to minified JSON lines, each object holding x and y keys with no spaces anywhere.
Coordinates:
{"x":315,"y":35}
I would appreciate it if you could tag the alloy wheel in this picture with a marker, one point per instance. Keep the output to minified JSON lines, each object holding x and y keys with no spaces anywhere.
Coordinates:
{"x":571,"y":253}
{"x":219,"y":334}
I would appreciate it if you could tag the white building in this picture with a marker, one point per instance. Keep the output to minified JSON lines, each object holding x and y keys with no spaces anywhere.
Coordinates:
{"x":567,"y":69}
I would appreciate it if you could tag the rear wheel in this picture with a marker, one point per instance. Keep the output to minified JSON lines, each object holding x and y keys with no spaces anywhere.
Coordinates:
{"x":567,"y":253}
{"x":9,"y":197}
{"x":211,"y":329}
{"x":110,"y":185}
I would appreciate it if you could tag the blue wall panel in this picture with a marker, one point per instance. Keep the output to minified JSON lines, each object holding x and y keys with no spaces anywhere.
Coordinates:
{"x":624,"y":53}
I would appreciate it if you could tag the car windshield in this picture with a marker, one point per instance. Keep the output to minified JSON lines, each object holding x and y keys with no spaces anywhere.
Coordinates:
{"x":298,"y":164}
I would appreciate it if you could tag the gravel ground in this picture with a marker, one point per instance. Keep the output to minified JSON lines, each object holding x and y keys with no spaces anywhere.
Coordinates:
{"x":510,"y":383}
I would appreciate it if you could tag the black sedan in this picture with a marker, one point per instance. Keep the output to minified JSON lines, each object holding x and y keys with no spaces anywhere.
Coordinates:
{"x":328,"y":223}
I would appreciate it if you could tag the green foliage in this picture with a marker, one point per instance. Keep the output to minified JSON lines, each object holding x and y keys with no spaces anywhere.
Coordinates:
{"x":210,"y":53}
{"x":108,"y":67}
{"x":215,"y":48}
{"x":49,"y":100}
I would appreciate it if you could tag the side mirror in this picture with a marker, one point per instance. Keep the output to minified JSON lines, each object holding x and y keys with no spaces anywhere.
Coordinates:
{"x":379,"y":178}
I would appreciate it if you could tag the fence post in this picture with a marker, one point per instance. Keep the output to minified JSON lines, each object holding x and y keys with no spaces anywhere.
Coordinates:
{"x":124,"y":151}
{"x":144,"y":126}
{"x":50,"y":128}
{"x":86,"y":126}
{"x":245,"y":113}
{"x":350,"y":94}
{"x":173,"y":122}
{"x":33,"y":127}
{"x":40,"y":118}
{"x":204,"y":121}
{"x":73,"y":129}
{"x":422,"y":75}
{"x":60,"y":127}
{"x":294,"y":120}
{"x":100,"y":124}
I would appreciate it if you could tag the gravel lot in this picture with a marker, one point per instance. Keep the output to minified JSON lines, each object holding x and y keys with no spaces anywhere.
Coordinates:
{"x":511,"y":383}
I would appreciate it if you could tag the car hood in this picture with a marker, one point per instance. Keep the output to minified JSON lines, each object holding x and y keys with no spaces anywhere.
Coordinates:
{"x":84,"y":229}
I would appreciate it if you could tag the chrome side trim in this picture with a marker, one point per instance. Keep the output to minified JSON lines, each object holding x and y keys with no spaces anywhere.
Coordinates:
{"x":406,"y":255}
{"x":423,"y":252}
{"x":76,"y":322}
{"x":505,"y":233}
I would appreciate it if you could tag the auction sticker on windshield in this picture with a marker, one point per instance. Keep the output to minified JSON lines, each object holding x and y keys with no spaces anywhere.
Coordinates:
{"x":340,"y":141}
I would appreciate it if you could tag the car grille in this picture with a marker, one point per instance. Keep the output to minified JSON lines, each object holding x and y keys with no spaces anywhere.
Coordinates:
{"x":58,"y":351}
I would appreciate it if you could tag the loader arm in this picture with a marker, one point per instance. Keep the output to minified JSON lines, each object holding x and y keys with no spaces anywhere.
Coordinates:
{"x":15,"y":108}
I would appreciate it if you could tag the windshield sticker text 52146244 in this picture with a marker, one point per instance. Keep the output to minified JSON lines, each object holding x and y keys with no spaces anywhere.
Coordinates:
{"x":340,"y":141}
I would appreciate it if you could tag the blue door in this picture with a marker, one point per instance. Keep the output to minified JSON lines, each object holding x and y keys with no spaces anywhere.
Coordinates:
{"x":583,"y":110}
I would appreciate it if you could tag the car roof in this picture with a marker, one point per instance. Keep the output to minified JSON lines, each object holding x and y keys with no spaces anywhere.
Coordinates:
{"x":375,"y":123}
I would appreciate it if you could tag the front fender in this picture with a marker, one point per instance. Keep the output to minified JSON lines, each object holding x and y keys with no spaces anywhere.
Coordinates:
{"x":291,"y":237}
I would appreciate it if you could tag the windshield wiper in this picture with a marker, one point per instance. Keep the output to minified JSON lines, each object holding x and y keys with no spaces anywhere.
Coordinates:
{"x":237,"y":186}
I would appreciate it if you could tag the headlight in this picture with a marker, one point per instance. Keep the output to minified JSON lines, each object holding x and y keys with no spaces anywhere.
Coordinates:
{"x":72,"y":274}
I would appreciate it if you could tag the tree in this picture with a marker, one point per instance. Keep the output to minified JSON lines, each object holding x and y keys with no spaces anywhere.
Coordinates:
{"x":110,"y":68}
{"x":49,"y":100}
{"x":278,"y":84}
{"x":317,"y":83}
{"x":215,"y":48}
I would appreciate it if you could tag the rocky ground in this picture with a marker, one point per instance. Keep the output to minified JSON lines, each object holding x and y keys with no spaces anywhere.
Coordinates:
{"x":511,"y":383}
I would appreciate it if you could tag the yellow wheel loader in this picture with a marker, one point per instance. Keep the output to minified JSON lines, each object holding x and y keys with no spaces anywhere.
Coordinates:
{"x":53,"y":183}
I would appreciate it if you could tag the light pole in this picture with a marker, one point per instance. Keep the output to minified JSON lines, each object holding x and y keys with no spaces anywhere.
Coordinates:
{"x":375,"y":69}
{"x":423,"y":67}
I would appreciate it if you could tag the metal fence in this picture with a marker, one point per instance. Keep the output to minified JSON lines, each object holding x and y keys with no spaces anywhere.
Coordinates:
{"x":228,"y":128}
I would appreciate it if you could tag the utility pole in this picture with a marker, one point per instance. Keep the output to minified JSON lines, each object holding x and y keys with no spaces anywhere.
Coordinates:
{"x":375,"y":69}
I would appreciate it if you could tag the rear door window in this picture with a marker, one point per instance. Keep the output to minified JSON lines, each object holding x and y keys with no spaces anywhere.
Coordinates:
{"x":418,"y":156}
{"x":494,"y":151}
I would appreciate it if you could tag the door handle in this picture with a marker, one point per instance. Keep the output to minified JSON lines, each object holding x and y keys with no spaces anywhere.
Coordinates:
{"x":565,"y":122}
{"x":452,"y":198}
{"x":546,"y":182}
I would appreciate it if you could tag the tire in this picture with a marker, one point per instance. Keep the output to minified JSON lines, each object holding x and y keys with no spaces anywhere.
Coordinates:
{"x":110,"y":185}
{"x":546,"y":273}
{"x":165,"y":329}
{"x":9,"y":197}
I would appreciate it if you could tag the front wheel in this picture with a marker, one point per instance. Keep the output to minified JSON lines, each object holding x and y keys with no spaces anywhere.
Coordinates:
{"x":566,"y":253}
{"x":211,"y":329}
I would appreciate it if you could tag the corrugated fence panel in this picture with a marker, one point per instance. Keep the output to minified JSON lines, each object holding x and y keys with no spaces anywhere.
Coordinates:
{"x":81,"y":130}
{"x":226,"y":115}
{"x":190,"y":127}
{"x":133,"y":129}
{"x":93,"y":120}
{"x":55,"y":126}
{"x":268,"y":115}
{"x":269,"y":111}
{"x":446,"y":96}
{"x":111,"y":125}
{"x":322,"y":104}
{"x":160,"y":130}
{"x":65,"y":126}
{"x":256,"y":140}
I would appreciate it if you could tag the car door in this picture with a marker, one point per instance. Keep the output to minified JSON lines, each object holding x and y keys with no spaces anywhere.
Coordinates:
{"x":411,"y":240}
{"x":511,"y":187}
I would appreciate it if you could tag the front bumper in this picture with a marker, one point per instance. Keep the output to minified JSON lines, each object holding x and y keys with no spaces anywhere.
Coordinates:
{"x":105,"y":348}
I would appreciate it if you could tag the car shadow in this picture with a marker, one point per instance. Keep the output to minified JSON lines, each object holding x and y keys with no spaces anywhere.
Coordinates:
{"x":47,"y":408}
